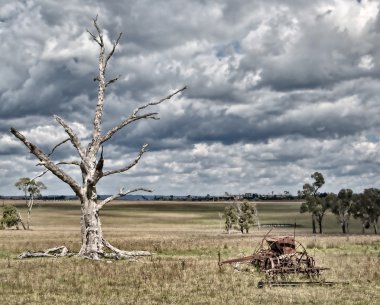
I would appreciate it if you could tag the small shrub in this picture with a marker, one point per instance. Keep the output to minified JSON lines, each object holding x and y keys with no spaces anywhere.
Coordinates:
{"x":10,"y":217}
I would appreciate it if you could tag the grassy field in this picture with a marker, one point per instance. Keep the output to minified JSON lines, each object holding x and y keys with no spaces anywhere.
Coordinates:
{"x":186,"y":239}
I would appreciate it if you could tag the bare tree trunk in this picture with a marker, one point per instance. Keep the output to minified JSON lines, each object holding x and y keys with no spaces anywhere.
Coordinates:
{"x":313,"y":223}
{"x":20,"y":221}
{"x":92,"y":236}
{"x":343,"y":228}
{"x":91,"y":231}
{"x":30,"y":205}
{"x":93,"y":242}
{"x":320,"y":225}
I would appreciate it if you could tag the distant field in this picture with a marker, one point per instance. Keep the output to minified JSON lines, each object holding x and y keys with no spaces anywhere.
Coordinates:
{"x":186,"y":238}
{"x":182,"y":216}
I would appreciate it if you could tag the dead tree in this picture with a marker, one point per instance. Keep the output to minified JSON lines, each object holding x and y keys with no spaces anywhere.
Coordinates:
{"x":93,"y":242}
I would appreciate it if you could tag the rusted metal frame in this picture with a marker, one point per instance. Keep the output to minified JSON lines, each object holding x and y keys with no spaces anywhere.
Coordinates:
{"x":262,"y":284}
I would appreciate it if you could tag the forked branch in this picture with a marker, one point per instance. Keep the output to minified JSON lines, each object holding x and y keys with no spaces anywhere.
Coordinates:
{"x":103,"y":61}
{"x":99,"y":38}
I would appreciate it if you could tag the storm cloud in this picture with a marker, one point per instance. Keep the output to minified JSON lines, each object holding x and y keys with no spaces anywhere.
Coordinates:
{"x":276,"y":91}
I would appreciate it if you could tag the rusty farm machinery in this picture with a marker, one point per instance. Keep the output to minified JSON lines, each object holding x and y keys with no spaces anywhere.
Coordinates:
{"x":278,"y":258}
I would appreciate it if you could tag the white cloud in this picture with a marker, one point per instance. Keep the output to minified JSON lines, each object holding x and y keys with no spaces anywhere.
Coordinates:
{"x":366,"y":62}
{"x":200,"y":149}
{"x":354,"y":18}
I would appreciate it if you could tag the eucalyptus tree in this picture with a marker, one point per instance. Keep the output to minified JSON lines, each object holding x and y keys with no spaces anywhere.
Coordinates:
{"x":247,"y":216}
{"x":32,"y":189}
{"x":242,"y":215}
{"x":360,"y":211}
{"x":342,"y":206}
{"x":367,"y":208}
{"x":314,"y":203}
{"x":93,"y":243}
{"x":22,"y":185}
{"x":231,"y":215}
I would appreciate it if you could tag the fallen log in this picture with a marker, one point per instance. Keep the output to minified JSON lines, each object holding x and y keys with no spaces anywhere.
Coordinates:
{"x":52,"y":252}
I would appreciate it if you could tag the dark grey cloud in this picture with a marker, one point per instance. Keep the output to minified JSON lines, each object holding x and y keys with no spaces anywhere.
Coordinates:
{"x":277,"y":90}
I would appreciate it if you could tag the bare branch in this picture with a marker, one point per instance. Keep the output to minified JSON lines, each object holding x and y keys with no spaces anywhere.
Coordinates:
{"x":113,"y":49}
{"x":94,"y":38}
{"x":126,"y":122}
{"x":120,"y":194}
{"x":159,"y":102}
{"x":74,"y":162}
{"x":38,"y":176}
{"x":35,"y":150}
{"x":61,"y":162}
{"x":73,"y":137}
{"x":69,"y":163}
{"x":112,"y":80}
{"x":56,"y":146}
{"x":94,"y":145}
{"x":101,"y":43}
{"x":117,"y":253}
{"x":128,"y":167}
{"x":134,"y":117}
{"x":53,"y":252}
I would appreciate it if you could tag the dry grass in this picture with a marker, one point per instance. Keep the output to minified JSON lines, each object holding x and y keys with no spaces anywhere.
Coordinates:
{"x":184,"y":269}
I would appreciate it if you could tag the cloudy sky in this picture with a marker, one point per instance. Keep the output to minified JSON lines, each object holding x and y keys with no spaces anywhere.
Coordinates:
{"x":276,"y":91}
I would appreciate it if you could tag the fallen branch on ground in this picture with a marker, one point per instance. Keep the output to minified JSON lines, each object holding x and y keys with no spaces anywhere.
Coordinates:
{"x":62,"y":251}
{"x":52,"y":252}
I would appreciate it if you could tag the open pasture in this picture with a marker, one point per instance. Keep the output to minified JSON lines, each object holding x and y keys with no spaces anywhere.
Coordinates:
{"x":186,"y":238}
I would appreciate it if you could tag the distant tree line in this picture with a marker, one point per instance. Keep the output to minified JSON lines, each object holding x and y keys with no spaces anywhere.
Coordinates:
{"x":247,"y":196}
{"x":345,"y":205}
{"x":42,"y":197}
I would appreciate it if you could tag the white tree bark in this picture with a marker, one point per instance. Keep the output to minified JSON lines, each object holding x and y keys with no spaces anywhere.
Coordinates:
{"x":30,"y":206}
{"x":52,"y":252}
{"x":92,"y":241}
